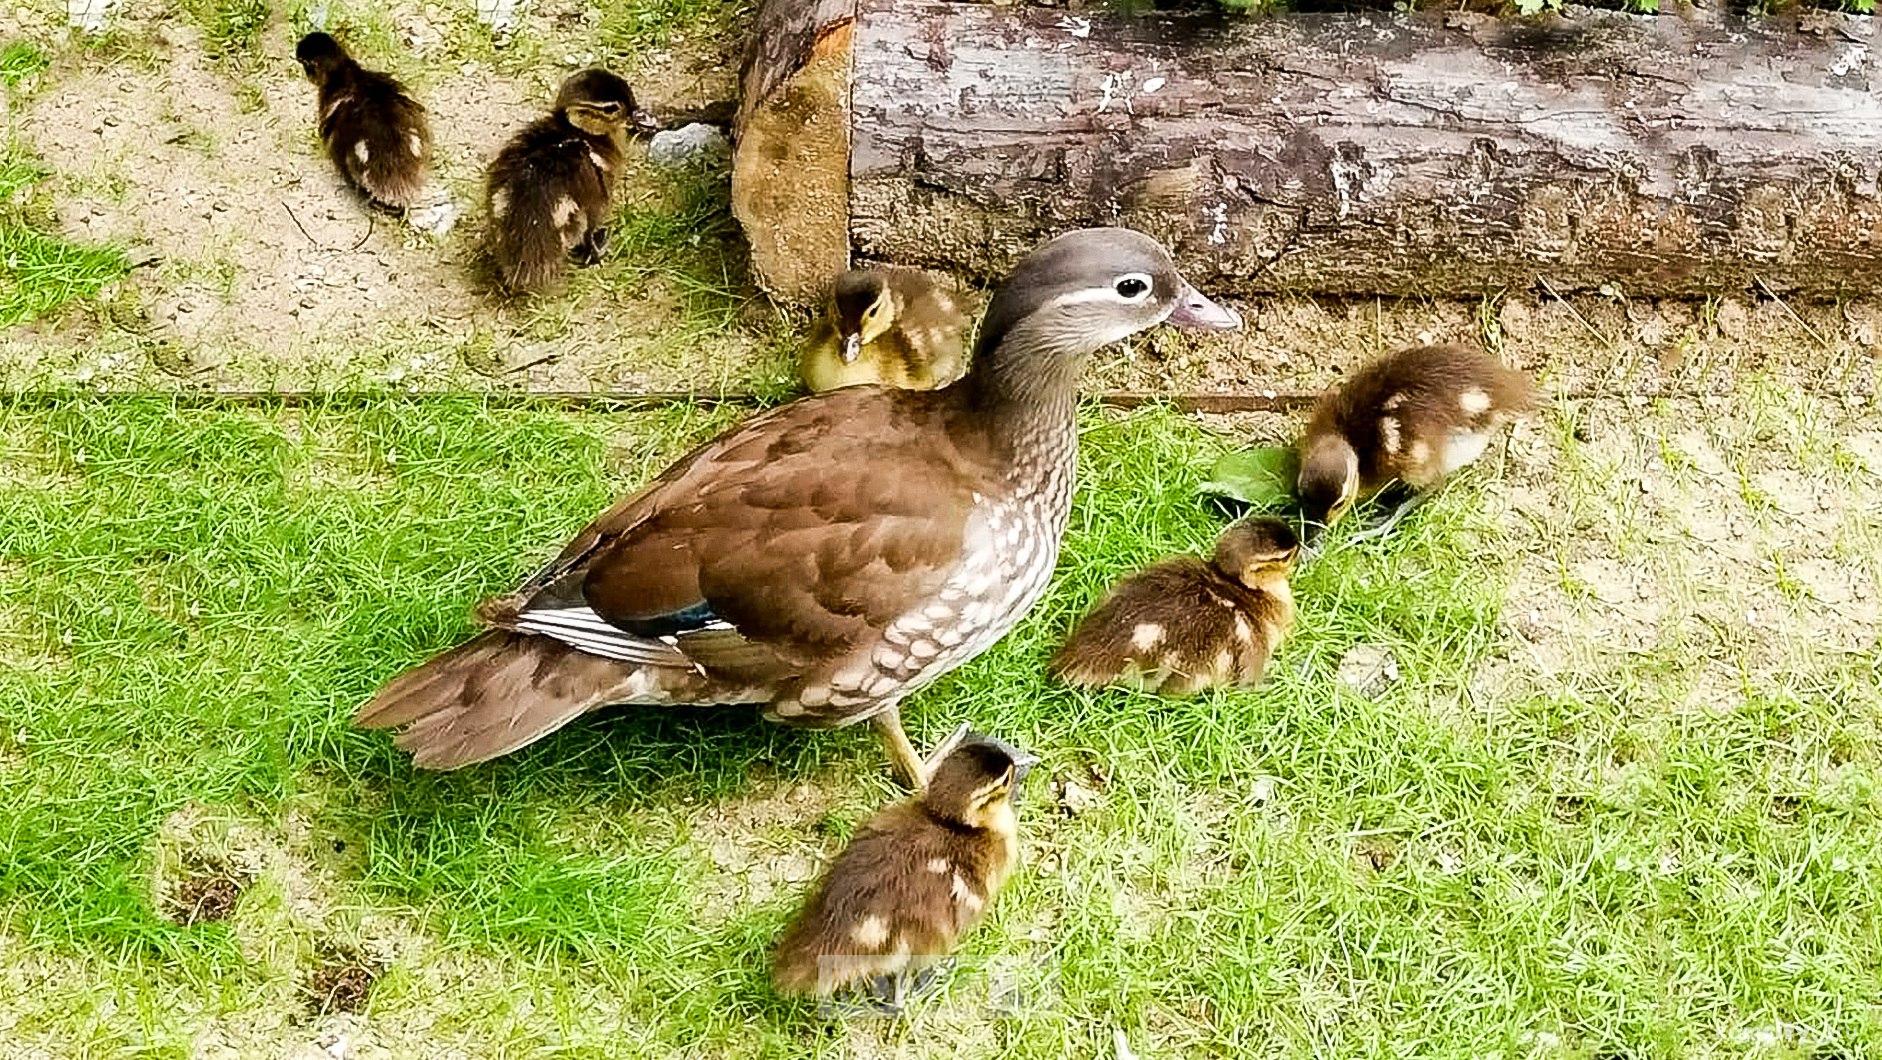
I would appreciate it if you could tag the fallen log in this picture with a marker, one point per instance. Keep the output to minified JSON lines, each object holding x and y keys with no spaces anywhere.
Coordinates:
{"x":1368,"y":153}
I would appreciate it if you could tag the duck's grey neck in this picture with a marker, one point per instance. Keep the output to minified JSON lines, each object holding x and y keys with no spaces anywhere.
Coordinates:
{"x":1025,"y":389}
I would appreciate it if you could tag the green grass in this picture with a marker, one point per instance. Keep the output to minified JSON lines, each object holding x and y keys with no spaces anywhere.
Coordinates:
{"x":193,"y":603}
{"x":633,"y":27}
{"x":231,"y":28}
{"x":20,"y":60}
{"x":40,"y":272}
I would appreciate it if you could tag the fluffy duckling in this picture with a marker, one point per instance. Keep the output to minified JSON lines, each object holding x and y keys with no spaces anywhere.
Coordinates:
{"x":894,"y":327}
{"x":1184,"y":624}
{"x":1410,"y":418}
{"x":917,"y":876}
{"x":374,"y":130}
{"x":551,"y":188}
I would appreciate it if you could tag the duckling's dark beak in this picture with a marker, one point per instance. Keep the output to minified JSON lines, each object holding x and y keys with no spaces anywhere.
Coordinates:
{"x":1023,"y":761}
{"x":851,"y":349}
{"x":644,"y":122}
{"x":1194,"y":310}
{"x":1311,"y":530}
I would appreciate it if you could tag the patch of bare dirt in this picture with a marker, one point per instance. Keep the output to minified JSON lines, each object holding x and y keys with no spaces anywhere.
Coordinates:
{"x":205,"y":890}
{"x":341,"y":980}
{"x":204,"y":863}
{"x":259,"y":268}
{"x":1727,"y":543}
{"x":764,"y":846}
{"x":1373,"y":854}
{"x":1585,"y":345}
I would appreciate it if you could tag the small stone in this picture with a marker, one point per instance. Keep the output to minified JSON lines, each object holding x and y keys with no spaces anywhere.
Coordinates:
{"x":1515,"y":318}
{"x":1652,"y":331}
{"x":1368,"y":669}
{"x":690,"y":145}
{"x":437,"y":219}
{"x":1075,"y":798}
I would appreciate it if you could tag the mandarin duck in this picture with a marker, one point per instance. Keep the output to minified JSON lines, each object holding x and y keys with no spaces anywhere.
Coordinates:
{"x":825,"y":558}
{"x":551,"y":188}
{"x":890,"y":326}
{"x":917,"y":876}
{"x":1183,"y":625}
{"x":374,"y":131}
{"x":1405,"y":422}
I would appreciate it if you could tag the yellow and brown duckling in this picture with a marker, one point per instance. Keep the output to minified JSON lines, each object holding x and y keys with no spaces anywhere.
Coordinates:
{"x":1186,"y":624}
{"x":1407,"y":420}
{"x":893,"y":327}
{"x":551,"y":188}
{"x":917,"y":876}
{"x":374,"y":131}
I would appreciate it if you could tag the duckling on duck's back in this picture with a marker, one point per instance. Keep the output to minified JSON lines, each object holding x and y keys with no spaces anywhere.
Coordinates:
{"x":889,"y":326}
{"x":374,"y":131}
{"x":551,"y":188}
{"x":917,"y":876}
{"x":1411,"y":417}
{"x":1184,"y":625}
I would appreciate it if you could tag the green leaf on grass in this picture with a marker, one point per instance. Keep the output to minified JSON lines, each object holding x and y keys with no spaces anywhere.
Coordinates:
{"x":1263,"y":477}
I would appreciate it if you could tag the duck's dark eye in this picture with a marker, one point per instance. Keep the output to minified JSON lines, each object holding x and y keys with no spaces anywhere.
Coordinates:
{"x":1132,"y":287}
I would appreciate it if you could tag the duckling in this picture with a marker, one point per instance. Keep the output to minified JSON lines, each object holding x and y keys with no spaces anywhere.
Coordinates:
{"x":551,"y":188}
{"x":894,"y":327}
{"x":1186,"y":624}
{"x":917,"y":876}
{"x":374,"y":130}
{"x":1406,"y":421}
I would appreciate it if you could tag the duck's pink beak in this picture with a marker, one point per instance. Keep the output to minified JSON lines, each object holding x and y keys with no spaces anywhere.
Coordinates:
{"x":1194,"y":310}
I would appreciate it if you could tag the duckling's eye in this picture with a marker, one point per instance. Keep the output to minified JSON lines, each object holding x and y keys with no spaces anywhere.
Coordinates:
{"x":1132,"y":288}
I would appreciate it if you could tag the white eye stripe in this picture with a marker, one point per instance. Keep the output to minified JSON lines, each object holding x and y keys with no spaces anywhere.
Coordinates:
{"x":1105,"y":293}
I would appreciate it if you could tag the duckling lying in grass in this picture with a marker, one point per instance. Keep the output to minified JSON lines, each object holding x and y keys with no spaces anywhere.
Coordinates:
{"x":1406,"y":421}
{"x":551,"y":188}
{"x":917,"y":876}
{"x":1184,"y":625}
{"x":894,"y":327}
{"x":374,"y":130}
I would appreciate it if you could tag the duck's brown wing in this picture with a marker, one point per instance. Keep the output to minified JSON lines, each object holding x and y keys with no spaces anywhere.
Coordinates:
{"x":773,"y":552}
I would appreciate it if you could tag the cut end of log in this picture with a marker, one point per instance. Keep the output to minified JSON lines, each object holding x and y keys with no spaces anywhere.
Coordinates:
{"x":790,"y":169}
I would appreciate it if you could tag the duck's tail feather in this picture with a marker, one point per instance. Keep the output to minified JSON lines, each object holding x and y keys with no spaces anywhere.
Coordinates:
{"x":497,"y":693}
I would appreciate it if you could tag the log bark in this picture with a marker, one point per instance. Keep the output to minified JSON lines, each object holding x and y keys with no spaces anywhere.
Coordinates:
{"x":790,"y":163}
{"x":1376,"y":153}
